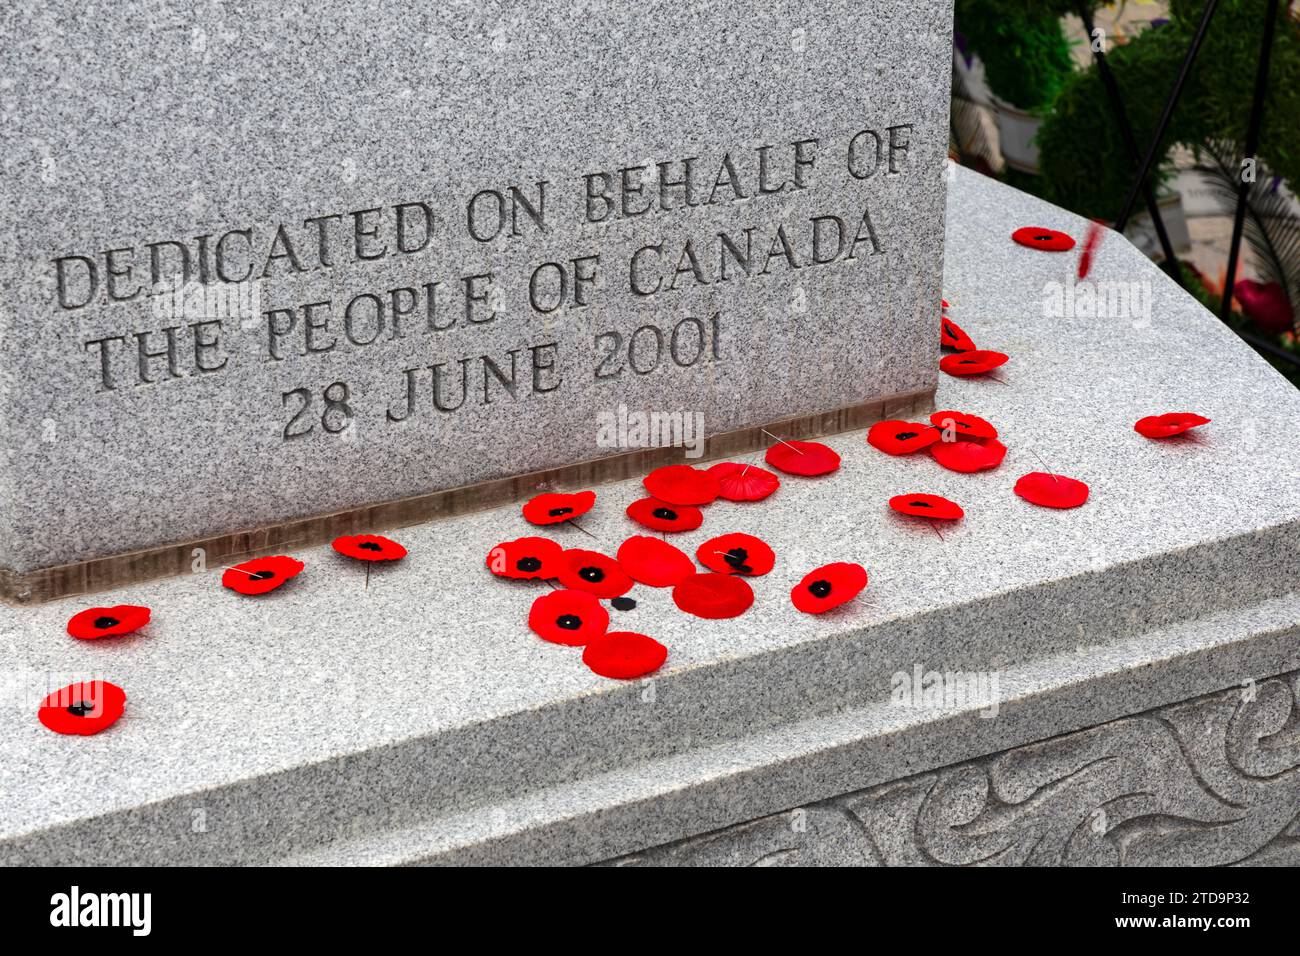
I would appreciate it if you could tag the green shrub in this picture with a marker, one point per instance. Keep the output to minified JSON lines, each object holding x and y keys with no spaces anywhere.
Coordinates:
{"x":1025,"y":53}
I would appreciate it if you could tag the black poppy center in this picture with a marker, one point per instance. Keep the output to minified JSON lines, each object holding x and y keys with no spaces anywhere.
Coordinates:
{"x":592,"y":574}
{"x":81,"y":709}
{"x":970,"y":361}
{"x":261,"y":575}
{"x":949,"y":330}
{"x":557,"y":512}
{"x":623,"y":603}
{"x":736,"y":559}
{"x":820,"y":588}
{"x":921,"y":504}
{"x":665,"y":514}
{"x":528,"y":564}
{"x":570,"y":622}
{"x":963,"y":424}
{"x":106,"y":621}
{"x":1043,"y":238}
{"x":371,"y":546}
{"x":904,"y":436}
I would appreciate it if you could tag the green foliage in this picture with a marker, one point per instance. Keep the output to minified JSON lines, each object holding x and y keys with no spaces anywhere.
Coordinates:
{"x":1082,"y":154}
{"x":1025,"y":53}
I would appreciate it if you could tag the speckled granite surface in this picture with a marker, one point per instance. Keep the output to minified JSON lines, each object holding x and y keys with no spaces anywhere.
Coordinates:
{"x":419,"y":720}
{"x":368,"y":168}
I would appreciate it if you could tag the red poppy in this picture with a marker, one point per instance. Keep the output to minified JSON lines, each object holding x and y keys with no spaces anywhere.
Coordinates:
{"x":736,"y":554}
{"x":593,"y":572}
{"x":369,"y":547}
{"x":829,"y":586}
{"x":568,"y":617}
{"x":927,"y":506}
{"x":806,"y":458}
{"x":654,"y":562}
{"x":682,"y":485}
{"x":1172,"y":423}
{"x":84,"y":709}
{"x":661,"y":516}
{"x":963,"y":424}
{"x":1051,"y":491}
{"x":1049,"y":240}
{"x":261,"y":575}
{"x":944,"y":303}
{"x":713,"y":596}
{"x":737,"y":482}
{"x":901,"y":438}
{"x":1090,"y":243}
{"x":525,"y":558}
{"x":624,"y":655}
{"x":113,"y":621}
{"x":968,"y":456}
{"x":554,"y":507}
{"x":972,"y":363}
{"x":951,"y":336}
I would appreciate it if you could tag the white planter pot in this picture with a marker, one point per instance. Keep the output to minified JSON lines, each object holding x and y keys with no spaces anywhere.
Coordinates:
{"x":1016,"y":132}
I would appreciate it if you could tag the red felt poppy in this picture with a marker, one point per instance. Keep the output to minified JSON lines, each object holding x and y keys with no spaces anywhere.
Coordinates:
{"x":951,"y":336}
{"x":736,"y":554}
{"x":113,"y":621}
{"x":369,"y":547}
{"x":654,"y":562}
{"x":1171,"y":423}
{"x":1048,"y":240}
{"x":969,"y":456}
{"x":1051,"y":491}
{"x":963,"y":424}
{"x":713,"y":596}
{"x":806,"y":458}
{"x":554,"y":507}
{"x":927,"y":506}
{"x":593,"y":572}
{"x":829,"y":586}
{"x":525,"y":558}
{"x":661,"y":516}
{"x":738,"y":482}
{"x":901,"y":438}
{"x":624,"y":655}
{"x":568,"y":617}
{"x":972,"y":363}
{"x":84,"y":709}
{"x":682,"y":485}
{"x":261,"y":575}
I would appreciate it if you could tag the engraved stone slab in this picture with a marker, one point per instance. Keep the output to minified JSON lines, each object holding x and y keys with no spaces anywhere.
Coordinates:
{"x":260,"y":268}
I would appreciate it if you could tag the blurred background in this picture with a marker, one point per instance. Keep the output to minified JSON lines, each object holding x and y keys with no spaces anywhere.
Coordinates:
{"x":1030,"y":107}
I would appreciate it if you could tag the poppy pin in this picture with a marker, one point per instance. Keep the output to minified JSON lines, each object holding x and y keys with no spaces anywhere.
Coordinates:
{"x":661,"y":516}
{"x":593,"y":572}
{"x":828,"y":586}
{"x":653,"y":562}
{"x":568,"y":617}
{"x":737,"y":482}
{"x":554,"y":507}
{"x":1169,"y":424}
{"x":1051,"y":491}
{"x":962,"y":424}
{"x":805,"y":458}
{"x":736,"y":554}
{"x":978,"y":362}
{"x":525,"y":558}
{"x":714,"y":596}
{"x":682,"y":485}
{"x":969,"y":456}
{"x":927,"y":506}
{"x":369,"y":547}
{"x":901,"y":438}
{"x":624,"y":655}
{"x":82,"y":709}
{"x":261,"y":575}
{"x":952,"y":337}
{"x":1039,"y":237}
{"x":96,"y":622}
